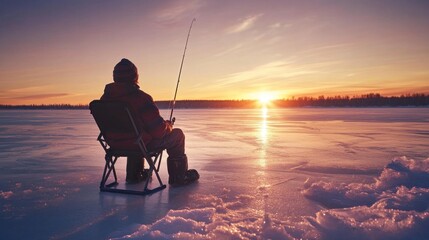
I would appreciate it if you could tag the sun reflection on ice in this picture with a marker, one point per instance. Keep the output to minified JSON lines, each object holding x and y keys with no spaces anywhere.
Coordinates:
{"x":263,"y":129}
{"x":263,"y":136}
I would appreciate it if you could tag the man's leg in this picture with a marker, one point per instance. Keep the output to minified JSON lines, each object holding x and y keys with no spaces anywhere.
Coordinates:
{"x":135,"y":166}
{"x":177,"y":161}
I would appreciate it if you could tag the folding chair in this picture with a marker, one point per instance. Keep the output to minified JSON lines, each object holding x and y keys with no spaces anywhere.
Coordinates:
{"x":117,"y":124}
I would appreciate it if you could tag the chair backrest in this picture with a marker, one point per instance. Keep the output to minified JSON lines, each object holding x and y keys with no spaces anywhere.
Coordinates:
{"x":116,"y":123}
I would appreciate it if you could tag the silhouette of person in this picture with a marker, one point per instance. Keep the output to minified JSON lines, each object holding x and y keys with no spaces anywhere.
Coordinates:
{"x":160,"y":133}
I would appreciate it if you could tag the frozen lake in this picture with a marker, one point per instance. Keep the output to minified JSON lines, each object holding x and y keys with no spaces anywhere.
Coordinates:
{"x":311,"y":173}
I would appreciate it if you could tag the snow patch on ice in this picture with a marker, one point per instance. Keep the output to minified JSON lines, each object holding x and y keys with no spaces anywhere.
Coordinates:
{"x":405,"y":199}
{"x":400,"y":181}
{"x":6,"y":195}
{"x":395,"y":206}
{"x":213,"y":217}
{"x":371,"y":223}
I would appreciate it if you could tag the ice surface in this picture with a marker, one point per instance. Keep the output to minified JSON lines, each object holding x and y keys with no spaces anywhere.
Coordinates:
{"x":266,"y":174}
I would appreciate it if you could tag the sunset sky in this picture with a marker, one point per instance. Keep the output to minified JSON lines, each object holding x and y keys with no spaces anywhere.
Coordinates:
{"x":58,"y":51}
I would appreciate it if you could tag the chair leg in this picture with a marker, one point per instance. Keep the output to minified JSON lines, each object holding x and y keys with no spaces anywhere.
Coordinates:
{"x":103,"y":178}
{"x":108,"y":168}
{"x":156,"y":159}
{"x":152,"y":168}
{"x":114,"y":169}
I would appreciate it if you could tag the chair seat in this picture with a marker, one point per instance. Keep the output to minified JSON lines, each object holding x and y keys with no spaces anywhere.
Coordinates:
{"x":123,"y":153}
{"x":126,"y":153}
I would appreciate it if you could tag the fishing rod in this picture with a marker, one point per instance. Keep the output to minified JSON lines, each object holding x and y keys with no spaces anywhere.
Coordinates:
{"x":172,"y":119}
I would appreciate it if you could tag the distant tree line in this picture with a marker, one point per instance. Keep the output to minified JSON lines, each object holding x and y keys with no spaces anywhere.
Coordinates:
{"x":367,"y":100}
{"x":45,"y":106}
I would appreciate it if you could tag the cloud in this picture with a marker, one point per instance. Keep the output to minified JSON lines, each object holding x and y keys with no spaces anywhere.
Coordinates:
{"x":272,"y":70}
{"x":177,"y":10}
{"x":324,"y":48}
{"x":244,"y":24}
{"x":10,"y":96}
{"x":31,"y":89}
{"x":31,"y":93}
{"x":280,"y":25}
{"x":43,"y":96}
{"x":229,"y":50}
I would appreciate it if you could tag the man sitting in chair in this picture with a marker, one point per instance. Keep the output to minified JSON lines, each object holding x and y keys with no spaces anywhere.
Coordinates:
{"x":161,"y":134}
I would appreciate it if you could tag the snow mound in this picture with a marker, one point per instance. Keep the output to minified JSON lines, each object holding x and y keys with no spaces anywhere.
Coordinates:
{"x":214,"y":217}
{"x":6,"y":195}
{"x":403,"y":184}
{"x":371,"y":223}
{"x":395,"y":206}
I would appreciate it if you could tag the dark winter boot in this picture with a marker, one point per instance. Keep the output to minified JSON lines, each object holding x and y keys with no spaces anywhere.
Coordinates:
{"x":135,"y":170}
{"x":178,"y":171}
{"x":143,"y":173}
{"x":191,"y":175}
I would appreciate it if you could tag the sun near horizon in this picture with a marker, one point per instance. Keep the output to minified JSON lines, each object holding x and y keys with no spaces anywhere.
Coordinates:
{"x":265,"y":98}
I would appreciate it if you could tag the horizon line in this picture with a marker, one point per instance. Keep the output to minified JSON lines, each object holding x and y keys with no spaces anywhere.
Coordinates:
{"x":292,"y":99}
